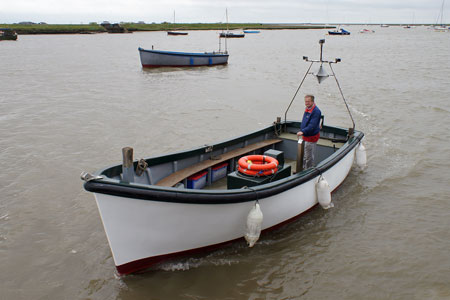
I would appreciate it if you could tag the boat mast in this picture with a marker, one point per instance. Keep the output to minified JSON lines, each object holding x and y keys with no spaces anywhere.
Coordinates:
{"x":321,"y":75}
{"x":441,"y":14}
{"x":226,"y":34}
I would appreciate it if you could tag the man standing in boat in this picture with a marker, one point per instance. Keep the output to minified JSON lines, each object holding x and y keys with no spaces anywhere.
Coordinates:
{"x":310,"y":130}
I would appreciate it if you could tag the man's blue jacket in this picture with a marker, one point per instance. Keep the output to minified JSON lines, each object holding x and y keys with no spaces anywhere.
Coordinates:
{"x":311,"y":122}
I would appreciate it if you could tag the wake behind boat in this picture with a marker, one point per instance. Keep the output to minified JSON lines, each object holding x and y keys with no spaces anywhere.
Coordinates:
{"x":160,"y":58}
{"x":180,"y":203}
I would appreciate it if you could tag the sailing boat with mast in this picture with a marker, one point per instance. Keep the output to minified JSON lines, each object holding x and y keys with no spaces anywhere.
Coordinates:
{"x":407,"y":26}
{"x":229,"y":34}
{"x":441,"y":27}
{"x":176,"y":32}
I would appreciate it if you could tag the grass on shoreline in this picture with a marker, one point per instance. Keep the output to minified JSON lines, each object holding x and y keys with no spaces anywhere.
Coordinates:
{"x":97,"y":28}
{"x":53,"y":29}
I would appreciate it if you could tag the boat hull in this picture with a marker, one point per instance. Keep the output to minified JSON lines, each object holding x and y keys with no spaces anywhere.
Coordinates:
{"x":142,"y":232}
{"x":176,"y":33}
{"x":8,"y":38}
{"x":156,"y":58}
{"x":231,"y":35}
{"x":338,"y":33}
{"x":147,"y":222}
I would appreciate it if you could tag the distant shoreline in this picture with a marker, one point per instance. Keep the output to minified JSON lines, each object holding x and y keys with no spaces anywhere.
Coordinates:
{"x":133,"y":27}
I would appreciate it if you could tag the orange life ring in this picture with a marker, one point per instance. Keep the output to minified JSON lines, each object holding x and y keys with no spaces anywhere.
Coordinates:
{"x":255,"y":172}
{"x":257,"y":165}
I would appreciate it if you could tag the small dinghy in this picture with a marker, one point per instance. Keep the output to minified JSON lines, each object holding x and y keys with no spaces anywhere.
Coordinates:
{"x":7,"y":34}
{"x":339,"y":31}
{"x":176,"y":204}
{"x":229,"y":35}
{"x":177,"y":33}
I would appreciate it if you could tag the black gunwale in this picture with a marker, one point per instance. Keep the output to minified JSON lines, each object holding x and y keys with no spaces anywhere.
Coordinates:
{"x":169,"y":194}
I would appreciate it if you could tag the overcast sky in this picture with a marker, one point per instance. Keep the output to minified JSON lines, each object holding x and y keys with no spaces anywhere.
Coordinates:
{"x":212,"y":11}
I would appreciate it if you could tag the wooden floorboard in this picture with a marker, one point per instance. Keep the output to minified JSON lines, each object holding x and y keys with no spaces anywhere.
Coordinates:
{"x":180,"y":175}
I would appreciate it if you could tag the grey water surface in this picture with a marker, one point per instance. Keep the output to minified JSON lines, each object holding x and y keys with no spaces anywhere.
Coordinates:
{"x":69,"y":103}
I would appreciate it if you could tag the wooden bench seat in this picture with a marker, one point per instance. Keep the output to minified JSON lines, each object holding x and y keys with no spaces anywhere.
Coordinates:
{"x":322,"y":141}
{"x":180,"y":175}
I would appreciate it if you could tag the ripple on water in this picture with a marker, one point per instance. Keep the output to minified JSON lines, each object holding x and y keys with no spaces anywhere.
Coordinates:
{"x":75,"y":100}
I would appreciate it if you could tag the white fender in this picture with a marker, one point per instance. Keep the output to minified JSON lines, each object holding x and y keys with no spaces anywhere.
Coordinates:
{"x":323,"y":193}
{"x":254,"y":222}
{"x":361,"y":156}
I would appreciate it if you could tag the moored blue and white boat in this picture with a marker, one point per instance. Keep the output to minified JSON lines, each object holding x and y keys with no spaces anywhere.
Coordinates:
{"x":160,"y":58}
{"x":339,"y":31}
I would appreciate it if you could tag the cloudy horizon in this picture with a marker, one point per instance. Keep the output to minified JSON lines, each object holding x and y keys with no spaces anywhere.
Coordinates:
{"x":213,"y":11}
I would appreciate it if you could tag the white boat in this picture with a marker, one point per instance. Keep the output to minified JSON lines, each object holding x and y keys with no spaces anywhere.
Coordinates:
{"x":365,"y":30}
{"x":440,"y":29}
{"x":195,"y":200}
{"x":160,"y":58}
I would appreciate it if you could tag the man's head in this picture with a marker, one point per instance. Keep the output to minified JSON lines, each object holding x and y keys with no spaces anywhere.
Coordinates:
{"x":309,"y":101}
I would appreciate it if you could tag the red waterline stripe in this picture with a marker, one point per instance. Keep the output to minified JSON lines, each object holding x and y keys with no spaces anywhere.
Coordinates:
{"x":141,"y":264}
{"x":144,"y":263}
{"x":178,"y":66}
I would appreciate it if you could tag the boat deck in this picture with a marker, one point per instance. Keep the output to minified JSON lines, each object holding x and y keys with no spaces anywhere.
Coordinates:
{"x":181,"y":175}
{"x":178,"y":176}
